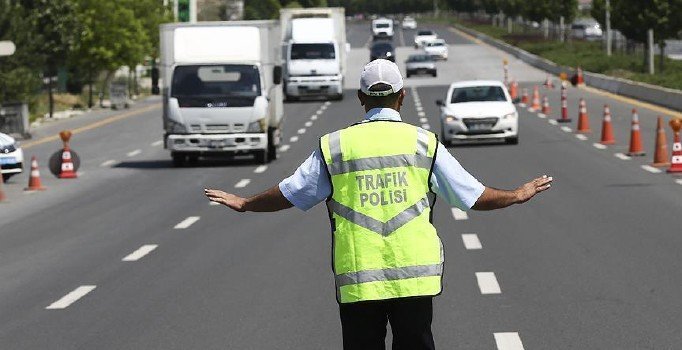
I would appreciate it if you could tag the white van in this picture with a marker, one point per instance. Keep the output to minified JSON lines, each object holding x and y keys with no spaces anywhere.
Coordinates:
{"x":382,"y":28}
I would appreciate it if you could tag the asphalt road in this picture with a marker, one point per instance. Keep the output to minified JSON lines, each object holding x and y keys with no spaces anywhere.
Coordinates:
{"x":592,"y":264}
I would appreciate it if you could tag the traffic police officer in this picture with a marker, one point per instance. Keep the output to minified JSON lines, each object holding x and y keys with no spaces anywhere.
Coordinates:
{"x":379,"y":178}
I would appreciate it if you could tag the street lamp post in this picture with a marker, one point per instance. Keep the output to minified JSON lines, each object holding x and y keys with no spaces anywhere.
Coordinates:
{"x":608,"y":27}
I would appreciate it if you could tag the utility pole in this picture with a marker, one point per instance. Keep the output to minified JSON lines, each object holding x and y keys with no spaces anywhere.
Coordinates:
{"x":650,"y":48}
{"x":608,"y":27}
{"x":435,"y":8}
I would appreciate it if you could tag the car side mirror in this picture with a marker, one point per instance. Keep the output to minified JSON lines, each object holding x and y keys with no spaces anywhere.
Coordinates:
{"x":516,"y":100}
{"x":277,"y":75}
{"x":439,"y":103}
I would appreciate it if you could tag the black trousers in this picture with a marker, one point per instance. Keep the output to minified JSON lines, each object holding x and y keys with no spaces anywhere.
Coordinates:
{"x":364,"y":324}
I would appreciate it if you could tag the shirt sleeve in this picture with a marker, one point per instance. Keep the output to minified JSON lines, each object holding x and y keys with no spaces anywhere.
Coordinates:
{"x":452,"y":182}
{"x":309,"y":185}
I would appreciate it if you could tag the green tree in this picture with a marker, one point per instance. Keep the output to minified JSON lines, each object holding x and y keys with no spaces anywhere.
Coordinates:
{"x":261,"y":9}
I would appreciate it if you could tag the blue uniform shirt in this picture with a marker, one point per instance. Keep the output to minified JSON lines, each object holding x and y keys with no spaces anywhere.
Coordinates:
{"x":309,"y":185}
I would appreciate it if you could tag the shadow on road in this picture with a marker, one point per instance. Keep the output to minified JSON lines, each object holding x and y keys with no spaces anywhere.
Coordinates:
{"x":159,"y":164}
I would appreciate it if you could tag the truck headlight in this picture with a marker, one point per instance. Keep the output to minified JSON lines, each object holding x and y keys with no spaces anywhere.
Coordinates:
{"x":176,"y":128}
{"x":258,"y":126}
{"x":510,"y":115}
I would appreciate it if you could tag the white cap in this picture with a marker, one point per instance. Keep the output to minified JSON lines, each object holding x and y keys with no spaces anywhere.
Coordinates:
{"x":378,"y":72}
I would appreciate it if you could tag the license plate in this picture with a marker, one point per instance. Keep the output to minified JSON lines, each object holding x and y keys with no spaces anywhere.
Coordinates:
{"x":479,"y":127}
{"x":8,"y":160}
{"x":216,"y":144}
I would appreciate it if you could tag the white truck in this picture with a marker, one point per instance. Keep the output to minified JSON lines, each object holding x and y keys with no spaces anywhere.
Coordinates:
{"x":315,"y":51}
{"x":220,"y":89}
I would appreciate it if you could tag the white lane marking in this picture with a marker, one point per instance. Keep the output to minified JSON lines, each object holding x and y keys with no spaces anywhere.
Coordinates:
{"x":186,"y":223}
{"x":71,"y":298}
{"x":552,"y":121}
{"x":134,"y":153}
{"x":308,"y":124}
{"x":157,"y":143}
{"x":319,"y":112}
{"x":213,"y":203}
{"x":284,"y":148}
{"x":420,"y":110}
{"x":531,"y":110}
{"x":487,"y":283}
{"x":140,"y":253}
{"x":459,"y":214}
{"x":599,"y":146}
{"x":471,"y":241}
{"x":566,"y":129}
{"x":522,"y":105}
{"x":421,"y":114}
{"x":313,"y":117}
{"x":581,"y":137}
{"x":679,"y":181}
{"x":423,"y":120}
{"x":542,"y":115}
{"x":109,"y":162}
{"x":651,"y":169}
{"x":426,"y":126}
{"x":293,"y":139}
{"x":327,"y":103}
{"x":242,"y":183}
{"x":622,"y":156}
{"x":260,"y":169}
{"x":508,"y":341}
{"x":301,"y":131}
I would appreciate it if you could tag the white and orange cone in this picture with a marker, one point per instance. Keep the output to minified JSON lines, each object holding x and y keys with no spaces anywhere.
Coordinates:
{"x":34,"y":183}
{"x":636,"y":148}
{"x":607,"y":137}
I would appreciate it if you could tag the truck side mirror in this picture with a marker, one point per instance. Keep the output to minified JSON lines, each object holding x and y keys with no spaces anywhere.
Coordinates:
{"x":439,"y":103}
{"x":277,"y":75}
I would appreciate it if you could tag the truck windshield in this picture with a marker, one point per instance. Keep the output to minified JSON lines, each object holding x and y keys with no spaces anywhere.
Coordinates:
{"x":312,"y":52}
{"x":478,"y":94}
{"x":234,"y":80}
{"x":381,"y":25}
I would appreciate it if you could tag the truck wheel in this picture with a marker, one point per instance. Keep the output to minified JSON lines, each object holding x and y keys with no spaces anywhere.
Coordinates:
{"x":6,"y":177}
{"x":435,"y":74}
{"x":262,"y":156}
{"x":272,"y":147}
{"x":178,"y":159}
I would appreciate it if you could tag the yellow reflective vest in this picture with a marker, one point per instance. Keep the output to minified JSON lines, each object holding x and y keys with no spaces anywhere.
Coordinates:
{"x":384,"y":245}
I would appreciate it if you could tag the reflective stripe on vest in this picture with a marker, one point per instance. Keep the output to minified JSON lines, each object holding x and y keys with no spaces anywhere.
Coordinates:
{"x":384,"y":244}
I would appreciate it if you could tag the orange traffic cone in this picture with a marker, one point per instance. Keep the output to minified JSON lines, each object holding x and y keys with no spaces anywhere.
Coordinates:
{"x":636,"y":148}
{"x":68,"y":171}
{"x":578,"y":79}
{"x":583,"y":118}
{"x":564,"y":105}
{"x":546,"y":109}
{"x":524,"y":97}
{"x":536,"y":99}
{"x":676,"y":163}
{"x":548,"y":82}
{"x":34,"y":183}
{"x":2,"y":187}
{"x":607,"y":128}
{"x":514,"y":90}
{"x":661,"y":152}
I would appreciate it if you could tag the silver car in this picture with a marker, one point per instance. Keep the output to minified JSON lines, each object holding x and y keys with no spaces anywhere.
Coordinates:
{"x":420,"y":64}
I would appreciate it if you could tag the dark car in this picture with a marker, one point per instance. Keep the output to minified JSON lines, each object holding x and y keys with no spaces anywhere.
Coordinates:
{"x":420,"y":64}
{"x":382,"y":49}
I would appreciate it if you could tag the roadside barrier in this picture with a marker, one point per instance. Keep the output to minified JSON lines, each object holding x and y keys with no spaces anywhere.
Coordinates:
{"x":546,"y":109}
{"x":676,"y":161}
{"x":548,"y":82}
{"x":34,"y":183}
{"x":636,"y":148}
{"x":536,"y":99}
{"x":564,"y":105}
{"x":607,"y":128}
{"x":583,"y":118}
{"x":524,"y":97}
{"x":661,"y":152}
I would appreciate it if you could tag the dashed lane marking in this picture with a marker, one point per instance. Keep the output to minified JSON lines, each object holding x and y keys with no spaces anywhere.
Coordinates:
{"x":260,"y":169}
{"x":426,"y":126}
{"x":508,"y":341}
{"x":423,"y":120}
{"x":581,"y":137}
{"x":71,"y":298}
{"x":284,"y":148}
{"x":542,"y":115}
{"x":421,"y":114}
{"x":186,"y":223}
{"x":293,"y":139}
{"x":651,"y":169}
{"x":319,"y":112}
{"x":109,"y":162}
{"x":308,"y":124}
{"x":313,"y":117}
{"x":327,"y":103}
{"x":678,"y":181}
{"x":552,"y":121}
{"x":140,"y":252}
{"x":459,"y":214}
{"x":599,"y":146}
{"x":622,"y":156}
{"x":157,"y":143}
{"x":566,"y":129}
{"x":301,"y":131}
{"x":487,"y":283}
{"x":213,"y":203}
{"x":242,"y":183}
{"x":471,"y":241}
{"x":419,"y":109}
{"x":134,"y":153}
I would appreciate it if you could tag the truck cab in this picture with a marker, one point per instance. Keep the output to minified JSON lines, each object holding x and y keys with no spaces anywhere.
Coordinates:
{"x":382,"y":28}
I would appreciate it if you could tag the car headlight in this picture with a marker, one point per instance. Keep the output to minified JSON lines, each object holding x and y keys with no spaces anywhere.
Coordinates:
{"x":257,"y":126}
{"x":510,"y":115}
{"x":176,"y":128}
{"x":388,"y":54}
{"x":450,"y":118}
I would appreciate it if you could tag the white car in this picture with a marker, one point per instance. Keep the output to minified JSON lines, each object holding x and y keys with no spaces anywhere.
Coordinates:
{"x":11,"y":156}
{"x":437,"y":49}
{"x":382,"y":28}
{"x":424,"y":36}
{"x":409,"y":23}
{"x":478,"y":109}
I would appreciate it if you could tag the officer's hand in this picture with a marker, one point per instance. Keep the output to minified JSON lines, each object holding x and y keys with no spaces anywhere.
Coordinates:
{"x":530,"y":189}
{"x":227,"y":199}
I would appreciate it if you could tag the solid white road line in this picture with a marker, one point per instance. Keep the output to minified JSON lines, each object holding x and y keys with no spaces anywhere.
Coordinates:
{"x":301,"y":131}
{"x":242,"y":183}
{"x":471,"y":241}
{"x":109,"y":162}
{"x":651,"y":169}
{"x":622,"y":156}
{"x":140,"y":253}
{"x":552,"y":121}
{"x":284,"y":148}
{"x":423,"y":120}
{"x":487,"y":283}
{"x":293,"y":139}
{"x":186,"y":223}
{"x":426,"y":126}
{"x":508,"y":341}
{"x":260,"y":169}
{"x":134,"y":153}
{"x":566,"y":129}
{"x":71,"y":298}
{"x":308,"y":124}
{"x":581,"y":137}
{"x":599,"y":146}
{"x":459,"y":214}
{"x":157,"y":143}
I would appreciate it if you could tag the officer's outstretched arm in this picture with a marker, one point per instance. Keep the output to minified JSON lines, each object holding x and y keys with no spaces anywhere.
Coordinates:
{"x":268,"y":201}
{"x":492,"y":198}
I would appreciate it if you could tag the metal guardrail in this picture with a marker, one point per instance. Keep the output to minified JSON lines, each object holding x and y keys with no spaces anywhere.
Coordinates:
{"x":14,"y":119}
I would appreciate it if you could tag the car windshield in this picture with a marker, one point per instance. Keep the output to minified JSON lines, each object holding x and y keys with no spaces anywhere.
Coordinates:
{"x":425,"y":32}
{"x":478,"y":94}
{"x":381,"y":25}
{"x":436,"y":44}
{"x":216,"y":80}
{"x":312,"y":52}
{"x":419,"y":58}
